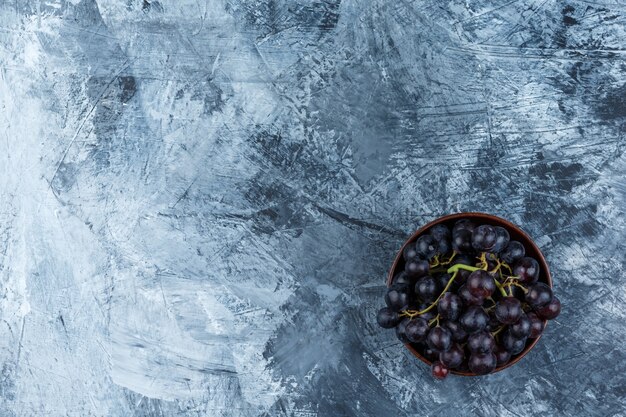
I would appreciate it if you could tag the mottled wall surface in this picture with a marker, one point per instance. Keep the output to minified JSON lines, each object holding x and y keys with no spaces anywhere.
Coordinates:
{"x":199,"y":200}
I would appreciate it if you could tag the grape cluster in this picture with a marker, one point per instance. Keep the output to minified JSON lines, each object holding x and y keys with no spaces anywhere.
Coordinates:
{"x":468,"y":298}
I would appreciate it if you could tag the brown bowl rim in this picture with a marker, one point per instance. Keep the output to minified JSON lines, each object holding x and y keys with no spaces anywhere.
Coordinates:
{"x":487,"y":218}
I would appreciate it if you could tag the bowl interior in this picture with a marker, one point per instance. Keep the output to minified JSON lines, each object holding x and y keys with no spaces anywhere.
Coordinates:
{"x":479,"y":218}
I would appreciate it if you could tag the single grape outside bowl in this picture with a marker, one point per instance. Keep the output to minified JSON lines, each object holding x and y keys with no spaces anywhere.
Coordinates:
{"x":479,"y":218}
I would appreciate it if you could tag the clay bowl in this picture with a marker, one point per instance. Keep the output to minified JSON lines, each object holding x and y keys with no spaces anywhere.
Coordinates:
{"x":479,"y":218}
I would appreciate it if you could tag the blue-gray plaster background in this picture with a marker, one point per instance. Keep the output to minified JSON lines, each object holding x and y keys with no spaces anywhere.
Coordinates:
{"x":199,"y":199}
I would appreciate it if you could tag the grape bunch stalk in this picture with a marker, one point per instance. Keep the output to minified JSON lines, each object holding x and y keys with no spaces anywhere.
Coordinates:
{"x":468,"y":299}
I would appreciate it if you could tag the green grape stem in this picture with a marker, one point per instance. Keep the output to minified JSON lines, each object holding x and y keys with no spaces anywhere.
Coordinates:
{"x":430,"y":307}
{"x":494,"y":334}
{"x":455,"y":269}
{"x":517,"y":285}
{"x":500,"y":287}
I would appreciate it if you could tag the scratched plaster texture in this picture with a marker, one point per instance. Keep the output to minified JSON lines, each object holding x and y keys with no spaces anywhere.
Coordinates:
{"x":199,"y":200}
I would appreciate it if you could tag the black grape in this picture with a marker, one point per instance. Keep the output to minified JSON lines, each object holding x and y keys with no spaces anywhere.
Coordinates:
{"x":400,"y":330}
{"x":462,"y":241}
{"x":513,"y":344}
{"x":521,"y":328}
{"x":449,"y":306}
{"x":482,"y":363}
{"x":398,"y":297}
{"x":463,"y":224}
{"x":552,"y":310}
{"x":480,"y":284}
{"x":426,"y":246}
{"x":481,"y":342}
{"x":474,"y":319}
{"x":426,"y":289}
{"x":536,"y":325}
{"x":416,"y":267}
{"x":439,"y":339}
{"x":527,"y":269}
{"x":538,"y":295}
{"x":502,"y":239}
{"x":417,"y":329}
{"x":502,"y":355}
{"x":508,"y":310}
{"x":444,"y":246}
{"x":387,"y":318}
{"x":401,"y":279}
{"x":484,"y":238}
{"x":468,"y":298}
{"x":453,"y":357}
{"x":513,"y":252}
{"x":457,"y":331}
{"x":439,"y":232}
